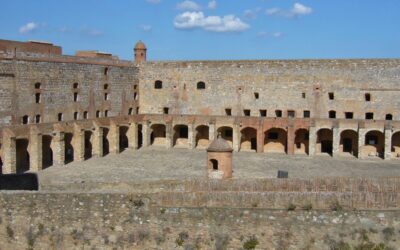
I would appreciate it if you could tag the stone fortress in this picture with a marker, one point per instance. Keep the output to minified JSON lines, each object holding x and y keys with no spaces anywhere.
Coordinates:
{"x":61,"y":112}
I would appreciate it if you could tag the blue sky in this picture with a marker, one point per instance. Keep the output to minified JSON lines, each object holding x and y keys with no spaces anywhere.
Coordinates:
{"x":211,"y":29}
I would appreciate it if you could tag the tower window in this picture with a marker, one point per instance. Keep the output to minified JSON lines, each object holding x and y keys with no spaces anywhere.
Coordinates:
{"x":228,"y":112}
{"x":369,"y":116}
{"x":201,"y":85}
{"x":75,"y":85}
{"x":158,"y":84}
{"x":246,"y":112}
{"x":25,"y":119}
{"x":278,"y":113}
{"x":263,"y":112}
{"x":331,"y":95}
{"x":291,"y":113}
{"x":76,"y":114}
{"x":37,"y":119}
{"x":348,"y":115}
{"x":256,"y":95}
{"x":389,"y":117}
{"x":306,"y":114}
{"x":37,"y":98}
{"x":332,"y":114}
{"x":367,"y":97}
{"x":85,"y":115}
{"x":60,"y":117}
{"x":165,"y":111}
{"x":75,"y":96}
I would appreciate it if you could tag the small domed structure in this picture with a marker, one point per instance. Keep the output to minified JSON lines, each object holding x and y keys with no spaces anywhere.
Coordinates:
{"x":140,"y":52}
{"x":219,"y":159}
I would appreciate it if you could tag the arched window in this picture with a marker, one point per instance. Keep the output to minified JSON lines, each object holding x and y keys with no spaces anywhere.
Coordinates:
{"x":76,"y":115}
{"x":98,"y":113}
{"x":85,"y":115}
{"x":76,"y":96}
{"x":158,"y":84}
{"x":105,"y":86}
{"x":214,"y":164}
{"x":37,"y":98}
{"x":25,"y":119}
{"x":38,"y":85}
{"x":37,"y":119}
{"x":130,"y":111}
{"x":75,"y":85}
{"x":106,"y":113}
{"x":60,"y":117}
{"x":389,"y":117}
{"x":201,"y":85}
{"x":105,"y":96}
{"x":106,"y":71}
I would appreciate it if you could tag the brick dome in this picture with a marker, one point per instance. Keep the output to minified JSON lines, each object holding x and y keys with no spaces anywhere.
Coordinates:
{"x":219,"y":145}
{"x":140,"y":45}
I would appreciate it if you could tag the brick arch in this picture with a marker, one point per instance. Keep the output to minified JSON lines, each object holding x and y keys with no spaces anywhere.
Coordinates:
{"x":202,"y":136}
{"x":181,"y":135}
{"x":374,"y":144}
{"x":324,"y":141}
{"x":396,"y":145}
{"x":275,"y":140}
{"x":248,"y":139}
{"x":301,"y":141}
{"x":349,"y":142}
{"x":158,"y":134}
{"x":22,"y":155}
{"x":123,"y":138}
{"x":226,"y":133}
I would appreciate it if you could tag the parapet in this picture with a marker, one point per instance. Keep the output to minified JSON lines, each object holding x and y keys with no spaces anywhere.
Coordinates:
{"x":30,"y":47}
{"x":95,"y":54}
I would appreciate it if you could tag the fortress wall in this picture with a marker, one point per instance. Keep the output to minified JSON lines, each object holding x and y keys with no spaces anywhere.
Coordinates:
{"x":280,"y":84}
{"x":123,"y":221}
{"x":17,"y":80}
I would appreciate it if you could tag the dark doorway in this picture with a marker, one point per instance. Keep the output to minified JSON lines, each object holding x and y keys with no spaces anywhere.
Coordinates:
{"x":47,"y":152}
{"x":22,"y":155}
{"x":253,"y":143}
{"x":69,"y":149}
{"x":326,"y":147}
{"x":106,"y":144}
{"x":140,"y":136}
{"x":347,"y":145}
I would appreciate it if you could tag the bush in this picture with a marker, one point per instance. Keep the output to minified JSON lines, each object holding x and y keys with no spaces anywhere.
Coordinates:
{"x":251,"y":243}
{"x":388,"y":233}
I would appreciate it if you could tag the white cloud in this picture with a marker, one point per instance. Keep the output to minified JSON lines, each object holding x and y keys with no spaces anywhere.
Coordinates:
{"x":251,"y":13}
{"x":197,"y":20}
{"x":277,"y":34}
{"x":146,"y":28}
{"x":29,"y":27}
{"x":153,"y":1}
{"x":91,"y":32}
{"x":188,"y":5}
{"x":212,"y":4}
{"x":263,"y":34}
{"x":297,"y":10}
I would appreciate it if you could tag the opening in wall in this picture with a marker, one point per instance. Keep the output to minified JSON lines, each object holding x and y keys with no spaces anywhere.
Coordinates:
{"x":158,"y":84}
{"x":332,"y":114}
{"x":246,"y":112}
{"x":105,"y":87}
{"x":75,"y":85}
{"x":37,"y":119}
{"x":256,"y":95}
{"x":105,"y":113}
{"x":228,"y":112}
{"x":367,"y":97}
{"x":348,"y":115}
{"x":75,"y":97}
{"x":76,"y":114}
{"x":291,"y":114}
{"x":130,"y":111}
{"x":201,"y":85}
{"x":306,"y":114}
{"x":263,"y":112}
{"x":25,"y":119}
{"x":369,"y":116}
{"x":105,"y":96}
{"x":331,"y":96}
{"x":60,"y":117}
{"x":38,"y":85}
{"x":37,"y":97}
{"x":389,"y":117}
{"x":303,"y":95}
{"x":85,"y":115}
{"x":97,"y":113}
{"x":278,"y":113}
{"x":165,"y":111}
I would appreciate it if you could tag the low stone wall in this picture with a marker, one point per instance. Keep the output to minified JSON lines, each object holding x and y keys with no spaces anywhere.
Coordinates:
{"x":30,"y":220}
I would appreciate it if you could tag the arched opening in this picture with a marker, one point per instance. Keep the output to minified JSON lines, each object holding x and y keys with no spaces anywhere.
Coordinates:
{"x":98,"y":113}
{"x":47,"y":152}
{"x":202,"y":137}
{"x":201,"y":85}
{"x":158,"y":135}
{"x":25,"y":119}
{"x":158,"y":84}
{"x":301,"y":141}
{"x":374,"y":144}
{"x":275,"y":141}
{"x":106,"y":143}
{"x":226,"y":134}
{"x":248,"y":140}
{"x":396,"y":145}
{"x":324,"y":141}
{"x":140,"y":136}
{"x":181,"y":135}
{"x":123,"y":138}
{"x":22,"y":154}
{"x":85,"y":115}
{"x":69,"y":149}
{"x":349,"y":142}
{"x":88,"y":144}
{"x":214,"y":164}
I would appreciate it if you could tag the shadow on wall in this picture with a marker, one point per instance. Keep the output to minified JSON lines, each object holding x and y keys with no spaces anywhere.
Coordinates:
{"x":19,"y":182}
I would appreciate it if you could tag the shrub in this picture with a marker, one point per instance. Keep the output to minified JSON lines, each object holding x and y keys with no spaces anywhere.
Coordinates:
{"x":388,"y":233}
{"x":251,"y":243}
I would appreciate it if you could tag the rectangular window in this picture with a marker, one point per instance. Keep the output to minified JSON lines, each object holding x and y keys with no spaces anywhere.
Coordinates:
{"x":37,"y":97}
{"x":291,"y":113}
{"x":246,"y":112}
{"x":75,"y":97}
{"x":369,"y":116}
{"x":331,"y":95}
{"x":367,"y":97}
{"x":332,"y":114}
{"x":348,"y":115}
{"x":256,"y":95}
{"x":166,"y":110}
{"x":278,"y":113}
{"x":273,"y":136}
{"x":306,"y":114}
{"x":263,"y":112}
{"x":228,"y":112}
{"x":303,"y":95}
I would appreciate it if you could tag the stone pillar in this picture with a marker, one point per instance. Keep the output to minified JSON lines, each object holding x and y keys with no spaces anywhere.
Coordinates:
{"x":146,"y":131}
{"x":114,"y":138}
{"x":35,"y":150}
{"x":59,"y":148}
{"x":211,"y":132}
{"x":133,"y":136}
{"x":78,"y":143}
{"x":290,"y":140}
{"x":312,"y":141}
{"x":361,"y":140}
{"x":260,"y":140}
{"x":169,"y":135}
{"x":9,"y":154}
{"x":335,"y":141}
{"x":191,"y":136}
{"x":388,"y":143}
{"x":236,"y":138}
{"x":98,"y":142}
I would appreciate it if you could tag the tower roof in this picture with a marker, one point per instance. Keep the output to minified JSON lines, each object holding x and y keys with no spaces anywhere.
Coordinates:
{"x":140,"y":45}
{"x":219,"y":145}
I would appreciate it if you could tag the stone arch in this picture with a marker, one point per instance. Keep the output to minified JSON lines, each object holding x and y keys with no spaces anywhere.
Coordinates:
{"x":201,"y":85}
{"x":396,"y":145}
{"x":349,"y":142}
{"x":324,"y":141}
{"x":158,"y":135}
{"x":69,"y":149}
{"x":202,"y":136}
{"x":275,"y":140}
{"x":88,"y":144}
{"x":301,"y":141}
{"x":181,"y":135}
{"x":123,"y":138}
{"x":248,"y":139}
{"x":226,"y":133}
{"x":47,"y":151}
{"x":22,"y":155}
{"x":106,"y":142}
{"x":374,"y":144}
